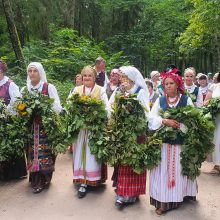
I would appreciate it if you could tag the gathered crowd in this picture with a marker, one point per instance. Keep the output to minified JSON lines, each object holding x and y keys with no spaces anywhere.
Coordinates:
{"x":169,"y":185}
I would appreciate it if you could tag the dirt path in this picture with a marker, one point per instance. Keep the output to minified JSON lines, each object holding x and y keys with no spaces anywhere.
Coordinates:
{"x":60,"y":200}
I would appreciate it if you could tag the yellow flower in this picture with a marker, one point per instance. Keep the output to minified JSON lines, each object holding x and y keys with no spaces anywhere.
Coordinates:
{"x":84,"y":98}
{"x":23,"y":113}
{"x":21,"y":106}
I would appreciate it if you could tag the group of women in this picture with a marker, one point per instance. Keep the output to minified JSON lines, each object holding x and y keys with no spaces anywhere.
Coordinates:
{"x":168,"y":187}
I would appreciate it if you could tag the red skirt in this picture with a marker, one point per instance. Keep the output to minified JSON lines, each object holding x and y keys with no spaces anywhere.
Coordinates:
{"x":129,"y":183}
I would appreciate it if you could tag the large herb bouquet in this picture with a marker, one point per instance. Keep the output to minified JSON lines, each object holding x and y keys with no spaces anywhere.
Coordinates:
{"x":36,"y":105}
{"x":125,"y":141}
{"x":10,"y":147}
{"x":197,"y":137}
{"x":212,"y":109}
{"x":87,"y":113}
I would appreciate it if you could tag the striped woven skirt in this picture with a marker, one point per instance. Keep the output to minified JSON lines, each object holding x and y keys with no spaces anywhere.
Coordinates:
{"x":128,"y":182}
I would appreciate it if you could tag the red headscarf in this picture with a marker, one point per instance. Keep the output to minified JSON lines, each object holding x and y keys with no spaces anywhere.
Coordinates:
{"x":176,"y":78}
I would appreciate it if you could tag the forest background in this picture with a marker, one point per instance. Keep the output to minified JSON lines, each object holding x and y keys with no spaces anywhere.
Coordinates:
{"x":65,"y":35}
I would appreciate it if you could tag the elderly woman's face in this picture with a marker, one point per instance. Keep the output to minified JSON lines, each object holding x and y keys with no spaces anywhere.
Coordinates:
{"x":126,"y":82}
{"x":114,"y":79}
{"x":156,"y":78}
{"x":88,"y":78}
{"x":34,"y":75}
{"x":189,"y":78}
{"x":203,"y":82}
{"x":170,"y":86}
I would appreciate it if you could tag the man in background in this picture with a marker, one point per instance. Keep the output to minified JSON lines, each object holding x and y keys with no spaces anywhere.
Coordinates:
{"x":101,"y":77}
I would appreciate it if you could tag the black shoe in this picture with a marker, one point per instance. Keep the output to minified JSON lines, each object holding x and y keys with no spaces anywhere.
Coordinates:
{"x":119,"y":204}
{"x":82,"y":191}
{"x":37,"y":190}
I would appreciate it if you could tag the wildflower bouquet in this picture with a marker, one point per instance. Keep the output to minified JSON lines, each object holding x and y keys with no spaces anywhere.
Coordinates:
{"x":36,"y":105}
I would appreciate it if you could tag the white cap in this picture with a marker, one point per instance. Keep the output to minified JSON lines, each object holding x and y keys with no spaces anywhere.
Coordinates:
{"x":154,"y":73}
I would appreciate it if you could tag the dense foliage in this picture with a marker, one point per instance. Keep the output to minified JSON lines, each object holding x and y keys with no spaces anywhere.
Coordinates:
{"x":36,"y":106}
{"x":197,"y":137}
{"x":150,"y":33}
{"x":125,"y":144}
{"x":212,"y":109}
{"x":89,"y":114}
{"x":11,"y":143}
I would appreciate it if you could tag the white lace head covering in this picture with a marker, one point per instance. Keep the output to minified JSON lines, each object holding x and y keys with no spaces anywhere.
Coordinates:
{"x":41,"y":71}
{"x":134,"y":75}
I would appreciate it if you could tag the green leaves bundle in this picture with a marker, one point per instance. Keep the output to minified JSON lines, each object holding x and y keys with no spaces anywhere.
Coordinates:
{"x":33,"y":105}
{"x":212,"y":109}
{"x":10,"y":146}
{"x":125,"y":143}
{"x":197,"y":140}
{"x":85,"y":112}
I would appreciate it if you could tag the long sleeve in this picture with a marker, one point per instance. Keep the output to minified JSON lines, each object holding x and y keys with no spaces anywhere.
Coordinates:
{"x":199,"y":100}
{"x":104,"y":98}
{"x":154,"y":119}
{"x":144,"y":99}
{"x":106,"y":81}
{"x":14,"y":94}
{"x":53,"y":94}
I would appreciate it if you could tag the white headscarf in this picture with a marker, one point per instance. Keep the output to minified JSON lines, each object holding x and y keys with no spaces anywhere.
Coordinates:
{"x":134,"y":75}
{"x":41,"y":71}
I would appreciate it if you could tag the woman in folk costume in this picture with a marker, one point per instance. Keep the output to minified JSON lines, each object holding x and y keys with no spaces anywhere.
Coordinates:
{"x":86,"y":170}
{"x":214,"y":92}
{"x":129,"y":185}
{"x":168,"y":186}
{"x":153,"y":95}
{"x":191,"y":88}
{"x":41,"y":160}
{"x":203,"y":85}
{"x":114,"y":82}
{"x":9,"y":91}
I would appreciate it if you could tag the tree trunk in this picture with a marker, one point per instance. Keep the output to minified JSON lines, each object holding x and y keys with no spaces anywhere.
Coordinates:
{"x":13,"y":33}
{"x":70,"y":14}
{"x":217,"y":50}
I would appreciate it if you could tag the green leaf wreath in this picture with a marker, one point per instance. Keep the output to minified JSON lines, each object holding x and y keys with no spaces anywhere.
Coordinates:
{"x":125,"y":141}
{"x":10,"y":146}
{"x":212,"y":109}
{"x":33,"y":105}
{"x":88,"y":113}
{"x":197,"y":138}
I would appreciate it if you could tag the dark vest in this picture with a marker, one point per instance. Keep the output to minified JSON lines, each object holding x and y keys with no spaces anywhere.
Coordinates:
{"x":165,"y":106}
{"x":137,"y":90}
{"x":4,"y":92}
{"x":100,"y":79}
{"x":45,"y":89}
{"x":196,"y":92}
